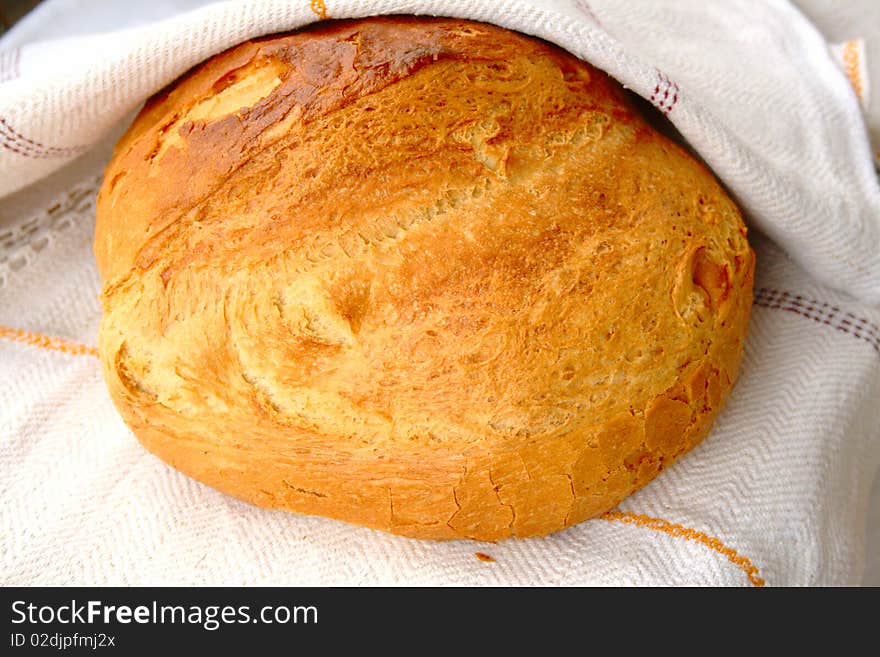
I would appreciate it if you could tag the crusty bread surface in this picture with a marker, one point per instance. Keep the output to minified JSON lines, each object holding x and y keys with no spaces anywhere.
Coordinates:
{"x":425,"y":275}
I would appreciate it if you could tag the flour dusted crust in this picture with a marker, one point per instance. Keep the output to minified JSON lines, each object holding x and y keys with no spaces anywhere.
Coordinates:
{"x":424,"y":275}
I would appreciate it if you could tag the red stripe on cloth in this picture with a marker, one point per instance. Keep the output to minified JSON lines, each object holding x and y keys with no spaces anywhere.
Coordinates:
{"x":16,"y":142}
{"x":820,"y":312}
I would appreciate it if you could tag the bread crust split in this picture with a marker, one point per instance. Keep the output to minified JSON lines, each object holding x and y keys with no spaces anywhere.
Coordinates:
{"x":425,"y":275}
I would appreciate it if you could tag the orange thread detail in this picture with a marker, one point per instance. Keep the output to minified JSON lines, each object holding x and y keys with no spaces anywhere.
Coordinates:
{"x":660,"y":525}
{"x":853,"y":70}
{"x":319,"y":8}
{"x":47,"y":342}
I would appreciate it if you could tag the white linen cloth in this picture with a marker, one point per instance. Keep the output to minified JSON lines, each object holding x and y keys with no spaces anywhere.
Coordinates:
{"x":778,"y":492}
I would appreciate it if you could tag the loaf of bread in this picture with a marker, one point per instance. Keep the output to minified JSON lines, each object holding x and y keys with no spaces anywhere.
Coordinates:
{"x":425,"y":275}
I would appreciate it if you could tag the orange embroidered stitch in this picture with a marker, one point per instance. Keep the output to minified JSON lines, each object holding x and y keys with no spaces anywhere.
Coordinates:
{"x":47,"y":342}
{"x":319,"y":8}
{"x":853,"y":70}
{"x":660,"y":525}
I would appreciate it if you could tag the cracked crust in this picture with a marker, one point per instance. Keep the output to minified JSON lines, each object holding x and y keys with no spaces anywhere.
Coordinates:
{"x":424,"y":275}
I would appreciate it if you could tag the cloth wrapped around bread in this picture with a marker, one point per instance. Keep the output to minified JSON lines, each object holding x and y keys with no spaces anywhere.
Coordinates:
{"x":425,"y":275}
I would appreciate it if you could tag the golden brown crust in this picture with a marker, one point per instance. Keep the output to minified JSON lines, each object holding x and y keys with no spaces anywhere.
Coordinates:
{"x":425,"y":275}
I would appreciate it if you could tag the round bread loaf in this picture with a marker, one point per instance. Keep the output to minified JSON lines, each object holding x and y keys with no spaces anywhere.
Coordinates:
{"x":425,"y":275}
